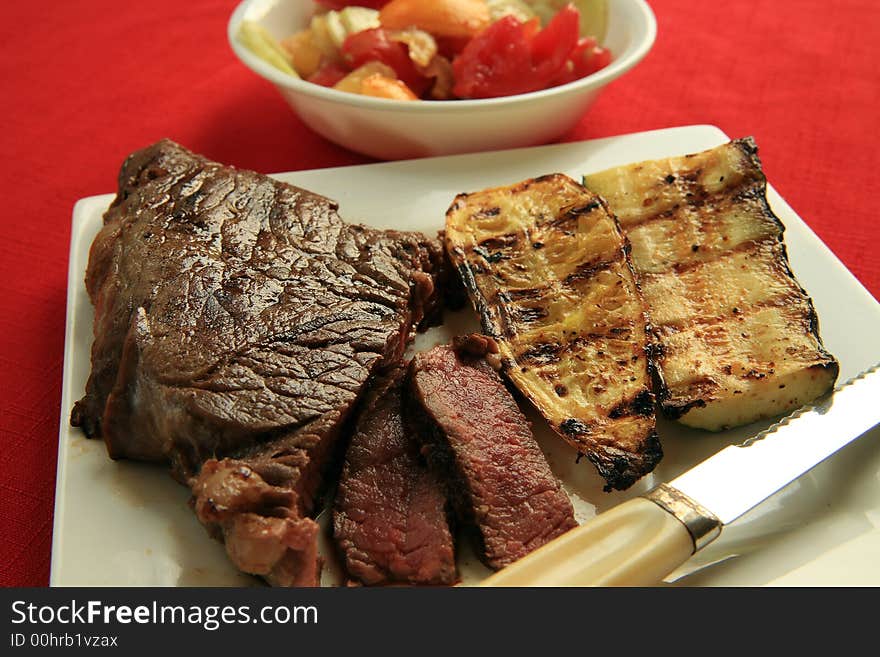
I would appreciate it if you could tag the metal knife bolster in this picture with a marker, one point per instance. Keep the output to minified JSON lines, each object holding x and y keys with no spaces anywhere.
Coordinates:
{"x":703,"y":526}
{"x":739,"y":477}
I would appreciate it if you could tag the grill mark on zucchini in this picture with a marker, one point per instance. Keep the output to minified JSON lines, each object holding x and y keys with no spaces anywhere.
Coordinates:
{"x":714,"y":255}
{"x":524,"y":294}
{"x":569,"y":219}
{"x":528,"y":314}
{"x":698,"y":196}
{"x":489,"y":257}
{"x":587,"y":271}
{"x":710,"y":227}
{"x":500,"y":242}
{"x":543,"y":353}
{"x":489,"y":212}
{"x":742,"y":312}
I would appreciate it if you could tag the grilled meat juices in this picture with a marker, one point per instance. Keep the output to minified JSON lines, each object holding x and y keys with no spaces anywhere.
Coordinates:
{"x":548,"y":270}
{"x":738,"y":335}
{"x":477,"y":438}
{"x":389,"y":518}
{"x":237,"y":322}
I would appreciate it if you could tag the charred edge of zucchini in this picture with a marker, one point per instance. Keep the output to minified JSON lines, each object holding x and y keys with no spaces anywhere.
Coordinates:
{"x":496,"y":325}
{"x":525,"y":184}
{"x":572,"y":427}
{"x":832,"y":366}
{"x":460,"y":198}
{"x":813,"y":317}
{"x":621,"y":469}
{"x":457,"y":202}
{"x":453,"y":293}
{"x":750,"y":148}
{"x":675,"y":410}
{"x":466,"y":275}
{"x":654,"y":354}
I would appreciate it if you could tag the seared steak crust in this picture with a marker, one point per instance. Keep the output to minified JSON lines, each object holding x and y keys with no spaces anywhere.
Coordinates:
{"x":237,"y":317}
{"x":390,"y":520}
{"x":477,"y":437}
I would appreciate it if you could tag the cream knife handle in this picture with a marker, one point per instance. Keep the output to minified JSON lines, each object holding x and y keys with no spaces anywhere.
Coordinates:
{"x":636,"y":543}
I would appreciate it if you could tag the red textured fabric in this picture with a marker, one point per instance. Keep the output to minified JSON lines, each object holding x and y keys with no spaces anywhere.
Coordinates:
{"x":85,"y":83}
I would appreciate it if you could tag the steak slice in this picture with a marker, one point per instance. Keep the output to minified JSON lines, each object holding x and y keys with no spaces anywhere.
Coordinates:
{"x":237,"y":320}
{"x":476,"y":435}
{"x":390,"y":521}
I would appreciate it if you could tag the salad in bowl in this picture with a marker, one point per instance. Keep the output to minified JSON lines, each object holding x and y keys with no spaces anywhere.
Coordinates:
{"x":440,"y":49}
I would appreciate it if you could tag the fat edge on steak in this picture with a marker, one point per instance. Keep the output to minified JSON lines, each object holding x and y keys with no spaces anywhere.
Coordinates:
{"x":738,"y":337}
{"x":547,"y":268}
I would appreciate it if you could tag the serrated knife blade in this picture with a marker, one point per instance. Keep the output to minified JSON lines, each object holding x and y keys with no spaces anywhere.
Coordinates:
{"x":740,"y":477}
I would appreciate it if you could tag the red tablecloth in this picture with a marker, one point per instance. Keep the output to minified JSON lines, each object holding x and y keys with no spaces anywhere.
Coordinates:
{"x":85,"y":83}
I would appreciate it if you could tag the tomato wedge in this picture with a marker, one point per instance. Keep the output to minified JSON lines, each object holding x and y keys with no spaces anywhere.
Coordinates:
{"x":552,"y":46}
{"x":511,"y":57}
{"x":375,"y":45}
{"x":587,"y":58}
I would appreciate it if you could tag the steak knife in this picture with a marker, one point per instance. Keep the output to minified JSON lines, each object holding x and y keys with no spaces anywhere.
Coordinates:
{"x":639,"y":542}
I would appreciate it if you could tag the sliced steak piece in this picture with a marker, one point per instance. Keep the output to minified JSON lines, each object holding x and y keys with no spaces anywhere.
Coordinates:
{"x":390,"y":520}
{"x":477,"y":436}
{"x":237,"y":317}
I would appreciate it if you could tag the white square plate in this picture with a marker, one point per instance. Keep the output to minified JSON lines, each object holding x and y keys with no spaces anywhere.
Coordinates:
{"x":125,"y":523}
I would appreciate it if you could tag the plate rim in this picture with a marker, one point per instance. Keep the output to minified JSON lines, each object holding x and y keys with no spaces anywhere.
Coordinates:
{"x":78,"y":259}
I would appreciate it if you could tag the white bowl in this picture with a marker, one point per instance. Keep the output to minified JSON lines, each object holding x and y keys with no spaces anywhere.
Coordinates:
{"x":393,"y":129}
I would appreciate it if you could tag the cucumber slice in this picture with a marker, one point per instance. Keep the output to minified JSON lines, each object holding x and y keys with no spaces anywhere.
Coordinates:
{"x":331,"y":28}
{"x":255,"y":37}
{"x":358,"y":19}
{"x":335,"y":28}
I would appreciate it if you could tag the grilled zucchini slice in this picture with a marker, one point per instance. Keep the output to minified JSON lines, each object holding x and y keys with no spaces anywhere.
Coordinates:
{"x":738,"y":336}
{"x":547,"y":268}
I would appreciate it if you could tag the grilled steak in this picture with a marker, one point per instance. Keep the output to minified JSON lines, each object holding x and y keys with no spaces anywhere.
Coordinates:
{"x":548,"y":270}
{"x":738,"y":335}
{"x":237,"y":321}
{"x":390,"y":520}
{"x":476,"y":436}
